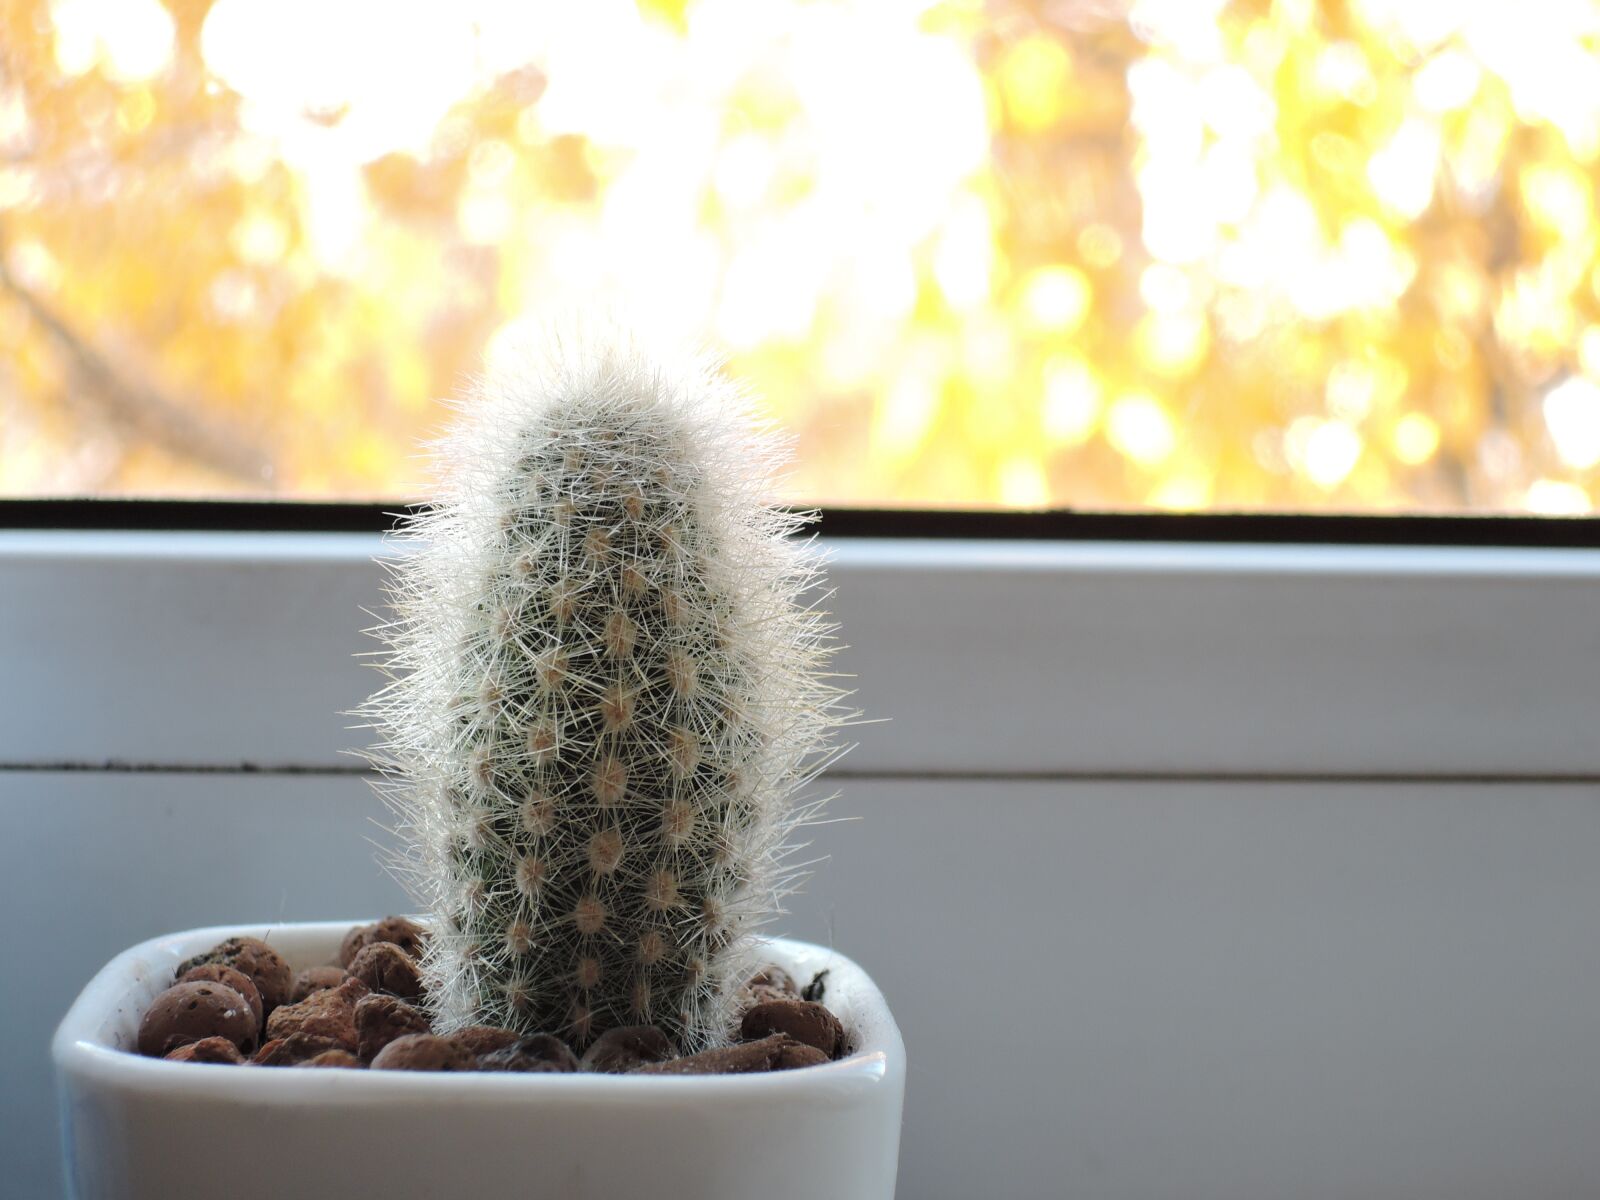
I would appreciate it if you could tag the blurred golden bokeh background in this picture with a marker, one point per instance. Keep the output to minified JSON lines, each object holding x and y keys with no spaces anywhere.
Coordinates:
{"x":1170,"y":254}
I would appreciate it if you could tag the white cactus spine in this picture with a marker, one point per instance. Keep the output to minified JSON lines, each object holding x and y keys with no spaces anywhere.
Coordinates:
{"x":606,"y":694}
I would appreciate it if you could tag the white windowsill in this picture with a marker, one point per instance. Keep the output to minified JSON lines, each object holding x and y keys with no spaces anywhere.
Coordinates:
{"x":1015,"y":658}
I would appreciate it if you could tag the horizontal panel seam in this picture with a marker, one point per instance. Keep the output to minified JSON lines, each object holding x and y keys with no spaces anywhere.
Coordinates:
{"x":121,"y":767}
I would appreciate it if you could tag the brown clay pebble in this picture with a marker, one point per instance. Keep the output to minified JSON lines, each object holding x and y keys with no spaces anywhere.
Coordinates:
{"x":798,"y":1054}
{"x":742,"y":1059}
{"x":772,"y":982}
{"x":255,"y":958}
{"x":422,"y":1052}
{"x":484,"y":1039}
{"x":380,"y":1019}
{"x":618,"y":1051}
{"x":293,"y":1050}
{"x":192,"y":1012}
{"x":353,"y":943}
{"x":384,"y":967}
{"x":207,"y":1050}
{"x":330,"y":1013}
{"x":398,"y":931}
{"x":315,"y":979}
{"x":803,"y":1020}
{"x":402,"y":932}
{"x":228,"y":977}
{"x":540,"y":1052}
{"x":333,"y":1058}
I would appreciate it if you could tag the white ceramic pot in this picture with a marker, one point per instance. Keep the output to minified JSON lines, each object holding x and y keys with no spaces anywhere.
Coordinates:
{"x":144,"y":1129}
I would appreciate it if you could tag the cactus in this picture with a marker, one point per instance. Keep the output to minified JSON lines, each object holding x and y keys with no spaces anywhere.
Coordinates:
{"x":606,"y":694}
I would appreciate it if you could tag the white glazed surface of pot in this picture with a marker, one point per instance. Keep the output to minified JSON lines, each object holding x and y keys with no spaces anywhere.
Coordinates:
{"x":137,"y":1128}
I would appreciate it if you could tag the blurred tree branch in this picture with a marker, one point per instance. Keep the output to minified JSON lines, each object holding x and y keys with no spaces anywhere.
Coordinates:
{"x":140,"y":411}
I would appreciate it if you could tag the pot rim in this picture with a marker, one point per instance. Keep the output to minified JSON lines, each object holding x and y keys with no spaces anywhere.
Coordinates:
{"x":86,"y":1042}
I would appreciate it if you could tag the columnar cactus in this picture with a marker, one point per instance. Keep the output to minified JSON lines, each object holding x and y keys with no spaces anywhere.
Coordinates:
{"x":606,"y":695}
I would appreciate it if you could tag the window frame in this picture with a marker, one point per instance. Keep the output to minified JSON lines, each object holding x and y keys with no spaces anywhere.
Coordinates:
{"x":1062,"y":524}
{"x":170,"y":634}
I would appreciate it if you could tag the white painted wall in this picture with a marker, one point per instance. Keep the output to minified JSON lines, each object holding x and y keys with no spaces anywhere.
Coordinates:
{"x":1257,"y":967}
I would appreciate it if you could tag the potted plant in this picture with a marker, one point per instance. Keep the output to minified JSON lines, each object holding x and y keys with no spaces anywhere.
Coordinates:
{"x":606,"y":694}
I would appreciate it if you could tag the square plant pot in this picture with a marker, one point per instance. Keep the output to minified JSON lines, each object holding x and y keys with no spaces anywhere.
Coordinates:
{"x":145,"y":1128}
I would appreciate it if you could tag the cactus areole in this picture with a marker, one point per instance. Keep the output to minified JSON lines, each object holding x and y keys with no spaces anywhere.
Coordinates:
{"x":606,"y":693}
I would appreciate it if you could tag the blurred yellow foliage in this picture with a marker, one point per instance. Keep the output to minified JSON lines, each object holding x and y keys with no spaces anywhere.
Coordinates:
{"x":1159,"y":254}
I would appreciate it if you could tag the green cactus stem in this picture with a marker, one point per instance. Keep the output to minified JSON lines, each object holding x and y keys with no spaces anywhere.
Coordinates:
{"x":606,"y":694}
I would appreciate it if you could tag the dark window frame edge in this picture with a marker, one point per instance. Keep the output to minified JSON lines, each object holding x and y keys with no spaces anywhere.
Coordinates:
{"x":1072,"y":525}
